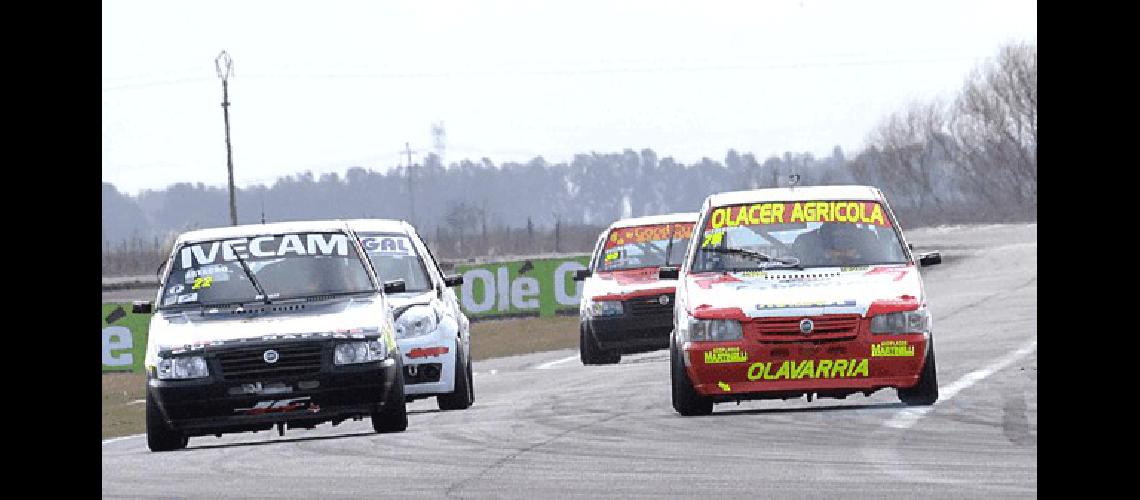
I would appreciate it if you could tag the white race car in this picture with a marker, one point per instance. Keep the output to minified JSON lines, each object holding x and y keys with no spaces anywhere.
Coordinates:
{"x":431,"y":330}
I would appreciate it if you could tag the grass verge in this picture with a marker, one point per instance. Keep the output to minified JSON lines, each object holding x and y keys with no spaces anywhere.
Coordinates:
{"x":124,"y":409}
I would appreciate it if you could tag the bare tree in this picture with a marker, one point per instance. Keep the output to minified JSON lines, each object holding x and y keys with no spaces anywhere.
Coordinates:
{"x":995,"y":126}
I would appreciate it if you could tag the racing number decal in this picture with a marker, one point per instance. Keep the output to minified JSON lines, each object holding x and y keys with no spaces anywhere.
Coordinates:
{"x":201,"y":282}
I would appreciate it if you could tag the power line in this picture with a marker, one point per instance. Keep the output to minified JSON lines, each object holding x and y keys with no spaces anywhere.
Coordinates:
{"x":561,"y":72}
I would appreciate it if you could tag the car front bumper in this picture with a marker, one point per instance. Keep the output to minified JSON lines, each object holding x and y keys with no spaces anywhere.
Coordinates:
{"x":735,"y":369}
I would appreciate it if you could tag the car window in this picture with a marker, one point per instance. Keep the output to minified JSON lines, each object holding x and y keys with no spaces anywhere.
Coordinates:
{"x":284,"y":266}
{"x":394,"y":257}
{"x":650,"y":245}
{"x":813,"y":233}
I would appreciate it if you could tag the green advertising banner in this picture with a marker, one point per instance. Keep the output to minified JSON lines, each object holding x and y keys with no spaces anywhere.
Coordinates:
{"x":124,"y":338}
{"x":527,"y":287}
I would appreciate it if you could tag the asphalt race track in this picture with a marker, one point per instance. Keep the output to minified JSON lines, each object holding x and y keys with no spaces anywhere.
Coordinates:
{"x":543,"y":425}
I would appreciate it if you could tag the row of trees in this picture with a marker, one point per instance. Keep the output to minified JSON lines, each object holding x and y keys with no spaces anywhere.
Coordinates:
{"x":969,"y":159}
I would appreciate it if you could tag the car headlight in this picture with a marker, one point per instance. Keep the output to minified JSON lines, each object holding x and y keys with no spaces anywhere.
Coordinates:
{"x":416,"y":321}
{"x":360,"y":352}
{"x":182,"y":367}
{"x":714,"y":330}
{"x":902,"y":322}
{"x":604,"y":308}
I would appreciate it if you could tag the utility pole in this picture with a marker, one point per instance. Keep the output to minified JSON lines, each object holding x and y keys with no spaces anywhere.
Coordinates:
{"x":411,"y":185}
{"x":223,"y":59}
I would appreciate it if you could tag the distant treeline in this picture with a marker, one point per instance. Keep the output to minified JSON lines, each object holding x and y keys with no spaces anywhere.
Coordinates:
{"x":967,"y":160}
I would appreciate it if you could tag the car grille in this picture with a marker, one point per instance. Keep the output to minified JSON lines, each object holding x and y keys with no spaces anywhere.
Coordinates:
{"x":244,"y":363}
{"x":787,"y":329}
{"x":649,"y":306}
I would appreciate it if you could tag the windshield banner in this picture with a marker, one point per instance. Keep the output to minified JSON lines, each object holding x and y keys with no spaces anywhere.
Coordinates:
{"x":853,"y":212}
{"x":263,"y":247}
{"x":387,"y":245}
{"x":642,"y":234}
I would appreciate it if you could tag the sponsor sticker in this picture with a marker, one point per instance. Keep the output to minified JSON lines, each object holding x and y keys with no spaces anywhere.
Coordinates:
{"x":654,"y":232}
{"x":892,"y":348}
{"x":387,"y":245}
{"x":200,"y":254}
{"x":796,"y":305}
{"x":853,"y":212}
{"x":720,"y":355}
{"x":808,"y":369}
{"x":187,"y":297}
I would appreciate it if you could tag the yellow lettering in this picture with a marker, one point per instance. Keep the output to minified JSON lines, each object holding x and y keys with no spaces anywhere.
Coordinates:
{"x":713,"y":239}
{"x":838,"y":368}
{"x":805,"y":369}
{"x":821,"y":371}
{"x":784,"y":369}
{"x":718,"y":217}
{"x":741,"y":217}
{"x":756,"y":371}
{"x":778,"y":213}
{"x":797,"y":213}
{"x":753,"y":217}
{"x":862,"y":368}
{"x":877,"y":215}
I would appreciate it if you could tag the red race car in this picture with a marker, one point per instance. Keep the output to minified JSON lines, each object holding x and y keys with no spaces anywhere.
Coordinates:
{"x":800,"y":291}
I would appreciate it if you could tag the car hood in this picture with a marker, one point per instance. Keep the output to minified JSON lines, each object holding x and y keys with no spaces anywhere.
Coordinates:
{"x":399,"y":300}
{"x":181,"y":328}
{"x":815,"y":291}
{"x":617,"y":285}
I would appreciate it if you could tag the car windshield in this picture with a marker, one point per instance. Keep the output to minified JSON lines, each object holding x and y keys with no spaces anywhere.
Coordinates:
{"x":807,"y":233}
{"x":283,"y":266}
{"x":395,"y":258}
{"x":645,"y":246}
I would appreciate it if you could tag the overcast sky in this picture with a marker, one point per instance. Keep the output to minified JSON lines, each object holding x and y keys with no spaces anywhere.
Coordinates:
{"x":324,"y":86}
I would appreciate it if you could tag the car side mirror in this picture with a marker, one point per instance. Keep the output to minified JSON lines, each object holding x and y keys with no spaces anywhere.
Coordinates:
{"x":582,"y":274}
{"x":395,"y":286}
{"x":455,"y":280}
{"x":669,"y":273}
{"x":142,"y":307}
{"x":929,"y":258}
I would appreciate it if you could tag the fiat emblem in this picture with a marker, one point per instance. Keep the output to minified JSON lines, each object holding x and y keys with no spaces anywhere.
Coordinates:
{"x":806,"y":325}
{"x":663,"y":300}
{"x":271,"y":356}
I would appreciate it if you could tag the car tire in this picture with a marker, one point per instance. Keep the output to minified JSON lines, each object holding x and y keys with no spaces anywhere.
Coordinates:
{"x":159,"y":435}
{"x":393,"y":415}
{"x":591,"y":353}
{"x":925,"y":392}
{"x":464,"y":394}
{"x":686,"y":400}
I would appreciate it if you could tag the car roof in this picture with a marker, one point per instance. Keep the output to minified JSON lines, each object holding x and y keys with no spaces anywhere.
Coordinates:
{"x":655,"y":219}
{"x":380,"y":225}
{"x":247,"y":230}
{"x":800,"y":193}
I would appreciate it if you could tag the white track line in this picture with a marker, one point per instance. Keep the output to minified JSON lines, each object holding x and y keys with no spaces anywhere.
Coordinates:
{"x":549,"y":365}
{"x":906,"y":418}
{"x":112,"y":440}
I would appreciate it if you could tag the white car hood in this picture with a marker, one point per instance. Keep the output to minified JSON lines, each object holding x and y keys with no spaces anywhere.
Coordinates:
{"x":191,"y":328}
{"x":815,"y":291}
{"x":403,"y":299}
{"x":623,"y":282}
